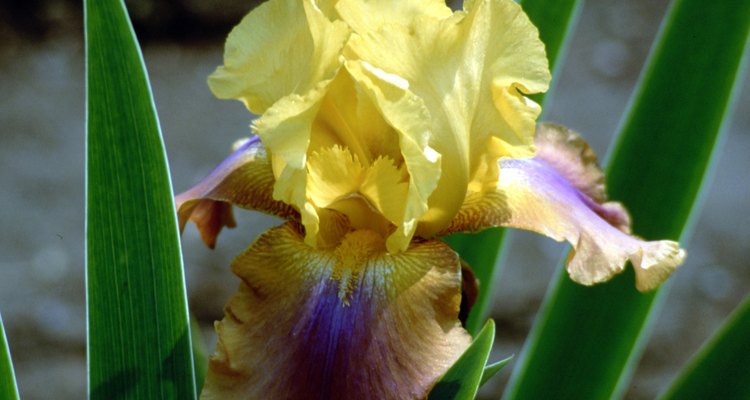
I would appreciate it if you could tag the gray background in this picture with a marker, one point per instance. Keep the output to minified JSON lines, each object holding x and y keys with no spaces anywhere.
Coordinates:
{"x":42,"y":205}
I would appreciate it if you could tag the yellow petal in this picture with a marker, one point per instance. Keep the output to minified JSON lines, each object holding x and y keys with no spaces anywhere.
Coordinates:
{"x":370,"y":120}
{"x":347,"y":323}
{"x":371,"y":196}
{"x":471,"y":71}
{"x":385,"y":189}
{"x":550,"y":194}
{"x":333,"y":174}
{"x":365,"y":16}
{"x":282,"y":47}
{"x":407,"y":114}
{"x":285,"y":130}
{"x":348,"y":117}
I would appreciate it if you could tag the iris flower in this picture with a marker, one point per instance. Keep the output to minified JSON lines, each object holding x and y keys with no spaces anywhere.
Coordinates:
{"x":384,"y":125}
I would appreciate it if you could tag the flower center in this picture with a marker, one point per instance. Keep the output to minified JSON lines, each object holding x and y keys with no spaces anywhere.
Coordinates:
{"x":371,"y":195}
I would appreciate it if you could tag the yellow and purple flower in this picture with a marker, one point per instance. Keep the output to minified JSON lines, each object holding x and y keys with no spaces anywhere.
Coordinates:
{"x":383,"y":126}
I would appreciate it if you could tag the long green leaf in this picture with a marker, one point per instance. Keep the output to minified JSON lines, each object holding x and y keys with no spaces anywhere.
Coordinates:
{"x":480,"y":250}
{"x":555,"y":20}
{"x":491,"y":370}
{"x":8,"y":386}
{"x":200,"y":355}
{"x":139,"y":343}
{"x":586,"y":340}
{"x":721,"y":368}
{"x":463,"y":379}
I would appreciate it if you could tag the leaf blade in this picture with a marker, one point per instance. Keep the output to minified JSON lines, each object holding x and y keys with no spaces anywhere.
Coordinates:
{"x":200,"y":354}
{"x":8,"y":384}
{"x":137,"y":322}
{"x":656,"y":171}
{"x":555,"y":20}
{"x":463,"y":379}
{"x":492,"y":369}
{"x":719,"y":369}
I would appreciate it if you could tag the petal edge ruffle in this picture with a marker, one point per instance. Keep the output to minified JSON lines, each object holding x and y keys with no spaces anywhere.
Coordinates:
{"x":471,"y":70}
{"x":536,"y":194}
{"x":282,"y":47}
{"x":349,"y":323}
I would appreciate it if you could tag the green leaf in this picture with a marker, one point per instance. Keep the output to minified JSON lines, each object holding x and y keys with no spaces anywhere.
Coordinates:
{"x":586,"y":340}
{"x":721,"y":368}
{"x":491,"y":370}
{"x":139,"y":343}
{"x":463,"y":379}
{"x":555,"y":20}
{"x":480,"y":250}
{"x":200,"y":355}
{"x":8,"y":386}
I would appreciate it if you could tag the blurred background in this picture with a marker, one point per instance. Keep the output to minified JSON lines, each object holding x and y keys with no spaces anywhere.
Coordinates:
{"x":42,"y":288}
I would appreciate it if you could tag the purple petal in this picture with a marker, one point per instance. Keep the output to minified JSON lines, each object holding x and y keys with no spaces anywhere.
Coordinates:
{"x":244,"y":179}
{"x":552,"y":194}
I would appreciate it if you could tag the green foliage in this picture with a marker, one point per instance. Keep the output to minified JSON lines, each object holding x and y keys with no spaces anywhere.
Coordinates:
{"x":463,"y":379}
{"x":492,"y":369}
{"x":721,"y":368}
{"x":139,"y":343}
{"x":480,"y":250}
{"x":200,"y":356}
{"x":8,"y":386}
{"x":586,"y":340}
{"x":555,"y":20}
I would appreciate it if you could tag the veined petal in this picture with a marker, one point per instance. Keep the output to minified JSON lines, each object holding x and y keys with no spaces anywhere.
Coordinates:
{"x":348,"y":323}
{"x":472,"y":70}
{"x":537,"y":194}
{"x":282,"y":47}
{"x":244,"y":179}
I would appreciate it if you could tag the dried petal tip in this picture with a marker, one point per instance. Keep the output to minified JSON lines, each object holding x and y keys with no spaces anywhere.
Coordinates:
{"x":655,"y":262}
{"x":244,"y":179}
{"x":209,"y":216}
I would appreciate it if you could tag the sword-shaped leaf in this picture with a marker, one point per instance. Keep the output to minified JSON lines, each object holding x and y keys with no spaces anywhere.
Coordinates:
{"x":586,"y":340}
{"x":139,"y":342}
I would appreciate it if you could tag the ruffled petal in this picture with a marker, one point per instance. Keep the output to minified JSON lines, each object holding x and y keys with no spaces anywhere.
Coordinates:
{"x":381,"y":129}
{"x":283,"y":47}
{"x":244,"y":179}
{"x":370,"y":196}
{"x":472,"y":70}
{"x":365,"y":16}
{"x":280,"y":61}
{"x":286,"y":130}
{"x":348,"y":323}
{"x":409,"y":117}
{"x":552,"y":194}
{"x":297,"y":127}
